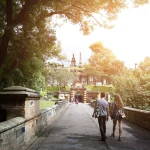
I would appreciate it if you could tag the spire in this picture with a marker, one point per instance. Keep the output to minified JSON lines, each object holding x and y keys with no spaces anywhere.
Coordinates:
{"x":80,"y":61}
{"x":73,"y":61}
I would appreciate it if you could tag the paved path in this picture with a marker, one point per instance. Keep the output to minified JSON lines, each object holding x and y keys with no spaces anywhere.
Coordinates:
{"x":77,"y":130}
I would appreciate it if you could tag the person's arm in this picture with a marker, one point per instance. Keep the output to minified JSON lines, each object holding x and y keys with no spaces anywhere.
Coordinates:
{"x":94,"y":108}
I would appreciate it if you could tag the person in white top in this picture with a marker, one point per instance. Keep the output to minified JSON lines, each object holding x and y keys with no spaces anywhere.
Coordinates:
{"x":102,"y":107}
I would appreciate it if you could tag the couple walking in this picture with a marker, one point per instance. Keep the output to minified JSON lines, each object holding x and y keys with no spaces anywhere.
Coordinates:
{"x":103,"y":110}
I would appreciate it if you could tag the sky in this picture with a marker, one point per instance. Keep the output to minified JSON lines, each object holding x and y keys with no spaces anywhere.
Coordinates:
{"x":129,"y":39}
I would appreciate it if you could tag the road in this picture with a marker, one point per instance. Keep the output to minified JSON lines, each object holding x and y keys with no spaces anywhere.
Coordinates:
{"x":75,"y":129}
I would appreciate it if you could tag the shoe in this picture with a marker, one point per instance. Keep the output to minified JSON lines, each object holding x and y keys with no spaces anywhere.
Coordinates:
{"x":112,"y":135}
{"x":119,"y":139}
{"x":102,"y":140}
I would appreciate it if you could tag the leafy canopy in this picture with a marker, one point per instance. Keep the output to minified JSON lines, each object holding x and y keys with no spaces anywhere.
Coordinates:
{"x":134,"y":86}
{"x":22,"y":21}
{"x":103,"y":62}
{"x":27,"y":30}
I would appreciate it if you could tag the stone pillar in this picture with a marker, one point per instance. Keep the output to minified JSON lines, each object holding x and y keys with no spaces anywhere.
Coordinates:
{"x":71,"y":94}
{"x":84,"y":96}
{"x":19,"y":101}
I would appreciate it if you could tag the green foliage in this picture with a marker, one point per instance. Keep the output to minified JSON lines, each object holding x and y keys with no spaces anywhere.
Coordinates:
{"x":125,"y":86}
{"x":134,"y":88}
{"x":29,"y":25}
{"x":57,"y":88}
{"x":103,"y":62}
{"x":28,"y":73}
{"x":43,"y":93}
{"x":28,"y":36}
{"x":145,"y":65}
{"x":77,"y":68}
{"x":2,"y":16}
{"x":68,"y":88}
{"x":103,"y":88}
{"x":63,"y":76}
{"x":46,"y":104}
{"x":31,"y":42}
{"x":52,"y":89}
{"x":137,"y":3}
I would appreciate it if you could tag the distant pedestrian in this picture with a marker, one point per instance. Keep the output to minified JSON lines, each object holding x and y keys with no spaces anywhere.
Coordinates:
{"x":77,"y":101}
{"x":102,"y":108}
{"x":118,"y":108}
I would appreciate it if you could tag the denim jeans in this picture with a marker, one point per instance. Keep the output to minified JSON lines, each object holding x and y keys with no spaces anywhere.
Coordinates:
{"x":102,"y":126}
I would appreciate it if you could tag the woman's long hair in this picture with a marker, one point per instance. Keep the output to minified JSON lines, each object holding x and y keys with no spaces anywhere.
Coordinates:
{"x":118,"y":101}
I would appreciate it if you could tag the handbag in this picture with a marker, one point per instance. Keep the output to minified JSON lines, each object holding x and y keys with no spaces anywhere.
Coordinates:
{"x":96,"y":113}
{"x":122,"y":115}
{"x":118,"y":114}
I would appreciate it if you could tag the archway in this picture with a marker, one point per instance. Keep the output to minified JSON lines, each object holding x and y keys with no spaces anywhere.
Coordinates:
{"x":79,"y":96}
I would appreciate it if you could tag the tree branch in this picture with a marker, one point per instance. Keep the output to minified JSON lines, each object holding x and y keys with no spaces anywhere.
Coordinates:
{"x":23,"y":14}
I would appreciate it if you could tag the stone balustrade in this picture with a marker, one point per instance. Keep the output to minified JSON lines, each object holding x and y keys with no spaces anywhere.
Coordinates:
{"x":138,"y":117}
{"x":18,"y":132}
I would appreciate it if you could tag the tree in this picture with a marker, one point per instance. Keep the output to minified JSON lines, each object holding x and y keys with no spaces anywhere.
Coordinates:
{"x":134,"y":86}
{"x":26,"y":20}
{"x":145,"y":65}
{"x":63,"y":77}
{"x":28,"y":73}
{"x":27,"y":30}
{"x":103,"y":62}
{"x":127,"y":86}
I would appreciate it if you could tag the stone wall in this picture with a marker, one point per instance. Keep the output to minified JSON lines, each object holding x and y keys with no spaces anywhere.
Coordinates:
{"x":138,"y":117}
{"x":92,"y":96}
{"x":17,"y":132}
{"x":19,"y":101}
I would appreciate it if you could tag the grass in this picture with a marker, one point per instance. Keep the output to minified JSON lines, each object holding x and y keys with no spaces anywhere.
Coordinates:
{"x":52,"y":88}
{"x":92,"y":88}
{"x":102,"y":88}
{"x":45,"y":104}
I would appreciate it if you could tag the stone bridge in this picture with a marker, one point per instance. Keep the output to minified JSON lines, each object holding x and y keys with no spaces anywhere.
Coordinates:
{"x":65,"y":126}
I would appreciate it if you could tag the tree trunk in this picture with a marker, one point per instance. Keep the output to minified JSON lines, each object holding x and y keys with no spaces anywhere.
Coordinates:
{"x":4,"y":46}
{"x":6,"y":36}
{"x":4,"y":43}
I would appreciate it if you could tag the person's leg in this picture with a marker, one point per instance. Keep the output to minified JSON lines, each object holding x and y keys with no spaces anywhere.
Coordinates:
{"x":104,"y":125}
{"x":120,"y":129}
{"x":114,"y":127}
{"x":100,"y":121}
{"x":100,"y":124}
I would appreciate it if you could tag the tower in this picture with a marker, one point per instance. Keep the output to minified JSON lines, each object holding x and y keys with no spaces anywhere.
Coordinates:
{"x":80,"y":61}
{"x":73,"y":62}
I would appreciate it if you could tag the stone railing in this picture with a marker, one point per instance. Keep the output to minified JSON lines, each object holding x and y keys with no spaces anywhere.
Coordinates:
{"x":18,"y":132}
{"x":138,"y":117}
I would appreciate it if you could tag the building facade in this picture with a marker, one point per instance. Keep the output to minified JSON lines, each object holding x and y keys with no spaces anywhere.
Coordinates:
{"x":78,"y":87}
